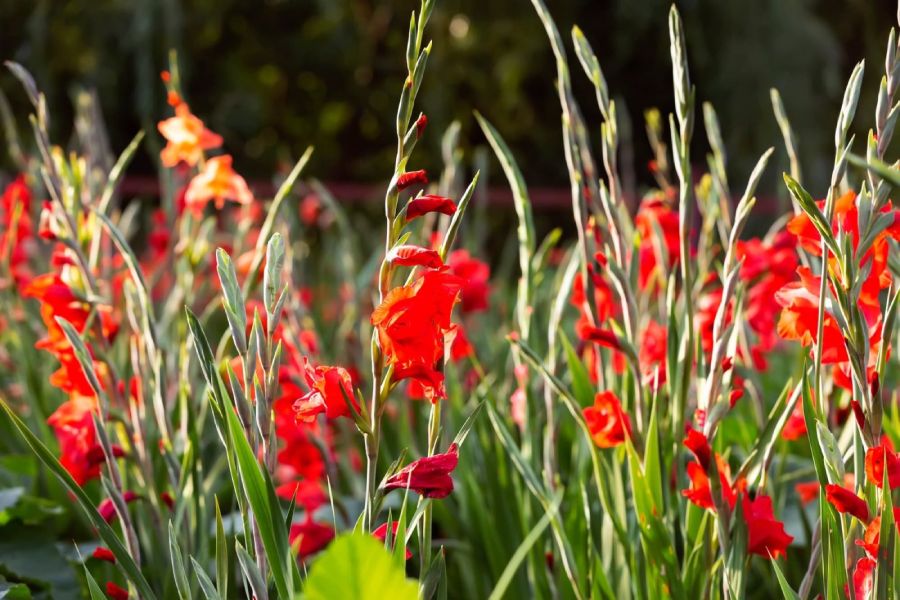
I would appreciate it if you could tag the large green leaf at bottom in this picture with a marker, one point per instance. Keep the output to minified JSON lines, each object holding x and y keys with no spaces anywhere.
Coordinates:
{"x":357,"y":566}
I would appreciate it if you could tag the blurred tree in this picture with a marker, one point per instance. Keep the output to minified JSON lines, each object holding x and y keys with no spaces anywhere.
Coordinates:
{"x":275,"y":75}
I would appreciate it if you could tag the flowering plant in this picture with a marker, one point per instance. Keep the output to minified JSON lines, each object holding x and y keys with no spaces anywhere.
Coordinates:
{"x":220,"y":397}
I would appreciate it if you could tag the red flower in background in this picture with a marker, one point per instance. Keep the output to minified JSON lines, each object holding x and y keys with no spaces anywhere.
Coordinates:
{"x":876,"y":459}
{"x":115,"y":592}
{"x":474,"y":274}
{"x":16,"y":228}
{"x":309,"y":537}
{"x":766,"y":535}
{"x":428,"y":476}
{"x":186,"y":138}
{"x":846,"y":501}
{"x":652,"y":353}
{"x":381,"y":534}
{"x":104,"y":554}
{"x":608,"y":423}
{"x":655,"y":215}
{"x":330,"y":391}
{"x":795,"y":428}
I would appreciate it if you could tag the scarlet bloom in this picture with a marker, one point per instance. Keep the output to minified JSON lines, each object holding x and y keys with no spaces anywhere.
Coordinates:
{"x":475,"y":274}
{"x":309,"y":537}
{"x":330,"y":390}
{"x":217,"y":182}
{"x":104,"y":554}
{"x":409,"y":255}
{"x":807,"y":491}
{"x":766,"y":535}
{"x":697,"y":443}
{"x":411,"y":178}
{"x":381,"y":534}
{"x":846,"y":501}
{"x":429,"y":476}
{"x":655,"y":216}
{"x":863,"y":578}
{"x":603,"y":337}
{"x":795,"y":427}
{"x":608,"y":423}
{"x":429,"y":203}
{"x":186,"y":138}
{"x":700,"y":491}
{"x":413,"y":319}
{"x":876,"y":459}
{"x":652,"y":353}
{"x":115,"y":592}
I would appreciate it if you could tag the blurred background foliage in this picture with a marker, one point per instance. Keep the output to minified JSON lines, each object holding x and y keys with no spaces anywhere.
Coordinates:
{"x":275,"y":75}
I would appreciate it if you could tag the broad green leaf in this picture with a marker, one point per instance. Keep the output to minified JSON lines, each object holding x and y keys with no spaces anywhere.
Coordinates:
{"x":357,"y":566}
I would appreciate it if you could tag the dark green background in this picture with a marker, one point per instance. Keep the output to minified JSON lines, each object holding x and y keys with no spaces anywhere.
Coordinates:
{"x":276,"y":75}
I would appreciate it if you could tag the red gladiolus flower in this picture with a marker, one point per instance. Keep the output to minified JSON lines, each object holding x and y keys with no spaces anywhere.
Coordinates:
{"x":863,"y":578}
{"x":655,"y":215}
{"x":107,"y":509}
{"x":429,"y":203}
{"x":807,"y":491}
{"x":415,"y":256}
{"x":697,"y":443}
{"x":608,"y":423}
{"x":424,"y":381}
{"x":330,"y":390}
{"x":429,"y":476}
{"x":381,"y":534}
{"x":603,"y":337}
{"x":421,"y":123}
{"x":309,"y":537}
{"x":876,"y":458}
{"x":475,"y":275}
{"x":105,"y":554}
{"x":411,"y":178}
{"x":186,"y":138}
{"x":846,"y":501}
{"x":795,"y":427}
{"x":217,"y":182}
{"x":652,"y":353}
{"x":766,"y":535}
{"x":115,"y":592}
{"x":700,"y":491}
{"x":413,"y":319}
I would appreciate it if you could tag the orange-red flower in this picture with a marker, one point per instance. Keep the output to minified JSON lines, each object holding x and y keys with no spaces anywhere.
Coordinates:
{"x":608,"y":424}
{"x":700,"y":491}
{"x":186,"y":138}
{"x":765,"y":535}
{"x":428,"y":476}
{"x":863,"y":578}
{"x":330,"y":392}
{"x":846,"y":501}
{"x":413,"y":324}
{"x":217,"y":182}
